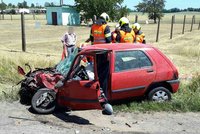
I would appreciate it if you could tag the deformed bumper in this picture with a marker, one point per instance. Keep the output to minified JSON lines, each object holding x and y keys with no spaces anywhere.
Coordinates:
{"x":174,"y":84}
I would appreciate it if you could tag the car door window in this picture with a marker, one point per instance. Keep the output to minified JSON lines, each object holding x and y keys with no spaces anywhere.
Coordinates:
{"x":127,"y":60}
{"x":83,"y":68}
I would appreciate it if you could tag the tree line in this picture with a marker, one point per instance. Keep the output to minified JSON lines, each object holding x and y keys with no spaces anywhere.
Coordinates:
{"x":173,"y":10}
{"x":23,"y":4}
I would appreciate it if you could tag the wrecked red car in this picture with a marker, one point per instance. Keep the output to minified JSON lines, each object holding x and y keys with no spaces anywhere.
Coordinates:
{"x":107,"y":72}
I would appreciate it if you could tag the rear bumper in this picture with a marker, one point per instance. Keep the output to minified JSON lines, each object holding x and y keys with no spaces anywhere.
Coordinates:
{"x":174,"y":84}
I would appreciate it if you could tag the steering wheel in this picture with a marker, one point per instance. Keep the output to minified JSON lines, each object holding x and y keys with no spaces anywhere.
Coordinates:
{"x":81,"y":72}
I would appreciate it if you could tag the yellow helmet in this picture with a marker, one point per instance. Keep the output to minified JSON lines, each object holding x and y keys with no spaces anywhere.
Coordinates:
{"x":105,"y":16}
{"x":123,"y":21}
{"x":136,"y":26}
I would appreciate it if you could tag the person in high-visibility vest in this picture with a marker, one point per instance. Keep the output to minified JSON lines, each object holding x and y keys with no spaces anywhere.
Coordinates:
{"x":140,"y":36}
{"x":126,"y":34}
{"x":100,"y":31}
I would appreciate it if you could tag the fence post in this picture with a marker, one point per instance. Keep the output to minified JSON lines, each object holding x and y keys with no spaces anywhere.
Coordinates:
{"x":33,"y":16}
{"x":158,"y":30}
{"x":23,"y":33}
{"x":192,"y":23}
{"x":94,"y":19}
{"x":184,"y":24}
{"x":172,"y":25}
{"x":2,"y":16}
{"x":199,"y":26}
{"x":136,"y":18}
{"x":11,"y":16}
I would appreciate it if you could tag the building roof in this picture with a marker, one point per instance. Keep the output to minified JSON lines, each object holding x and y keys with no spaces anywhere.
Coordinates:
{"x":63,"y":6}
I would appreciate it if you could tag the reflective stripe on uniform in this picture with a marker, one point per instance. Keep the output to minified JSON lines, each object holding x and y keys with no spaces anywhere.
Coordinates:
{"x":98,"y":33}
{"x":98,"y":40}
{"x":107,"y":35}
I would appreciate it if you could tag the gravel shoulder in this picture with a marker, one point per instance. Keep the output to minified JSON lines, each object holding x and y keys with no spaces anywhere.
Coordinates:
{"x":17,"y":118}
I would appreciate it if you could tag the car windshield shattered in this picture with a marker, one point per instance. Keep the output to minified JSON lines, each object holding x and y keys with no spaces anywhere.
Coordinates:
{"x":64,"y":65}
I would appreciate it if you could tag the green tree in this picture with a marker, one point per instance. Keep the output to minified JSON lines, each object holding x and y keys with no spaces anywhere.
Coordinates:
{"x":13,"y":6}
{"x":46,"y":4}
{"x":24,"y":3}
{"x":20,"y":5}
{"x":154,"y":8}
{"x":9,"y":5}
{"x":3,"y":6}
{"x":32,"y":5}
{"x":113,"y":8}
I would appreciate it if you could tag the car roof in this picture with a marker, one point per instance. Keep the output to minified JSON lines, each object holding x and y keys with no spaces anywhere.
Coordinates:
{"x":117,"y":46}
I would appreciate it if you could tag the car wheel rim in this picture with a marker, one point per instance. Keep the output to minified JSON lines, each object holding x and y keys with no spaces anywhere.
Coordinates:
{"x":160,"y":96}
{"x":44,"y":100}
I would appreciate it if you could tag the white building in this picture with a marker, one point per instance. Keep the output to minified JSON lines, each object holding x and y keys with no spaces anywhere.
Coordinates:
{"x":24,"y":10}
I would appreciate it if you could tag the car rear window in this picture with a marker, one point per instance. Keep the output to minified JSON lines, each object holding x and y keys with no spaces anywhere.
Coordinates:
{"x":126,"y":60}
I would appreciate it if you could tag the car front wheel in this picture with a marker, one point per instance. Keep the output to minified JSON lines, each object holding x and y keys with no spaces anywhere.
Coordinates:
{"x":159,"y":94}
{"x":43,"y":101}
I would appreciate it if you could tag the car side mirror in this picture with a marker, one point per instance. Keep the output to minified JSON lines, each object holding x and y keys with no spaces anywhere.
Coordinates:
{"x":107,"y":109}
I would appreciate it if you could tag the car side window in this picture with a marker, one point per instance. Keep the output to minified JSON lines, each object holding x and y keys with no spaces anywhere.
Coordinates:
{"x":83,"y":68}
{"x":126,"y":60}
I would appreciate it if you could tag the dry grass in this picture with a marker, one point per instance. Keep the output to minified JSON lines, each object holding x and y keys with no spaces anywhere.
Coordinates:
{"x":44,"y":47}
{"x":44,"y":50}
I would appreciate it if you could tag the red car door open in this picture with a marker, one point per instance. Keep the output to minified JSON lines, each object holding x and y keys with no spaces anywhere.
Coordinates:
{"x":81,"y":90}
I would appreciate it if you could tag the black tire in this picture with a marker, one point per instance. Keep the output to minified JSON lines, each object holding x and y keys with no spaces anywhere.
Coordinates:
{"x":25,"y":96}
{"x":44,"y":101}
{"x":159,"y":94}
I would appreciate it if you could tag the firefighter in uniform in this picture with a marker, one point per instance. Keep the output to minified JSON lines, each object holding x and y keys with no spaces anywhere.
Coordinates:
{"x":100,"y":31}
{"x":126,"y":34}
{"x":140,"y":36}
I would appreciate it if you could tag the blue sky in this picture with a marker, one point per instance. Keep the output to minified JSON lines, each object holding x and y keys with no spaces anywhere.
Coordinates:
{"x":182,"y":4}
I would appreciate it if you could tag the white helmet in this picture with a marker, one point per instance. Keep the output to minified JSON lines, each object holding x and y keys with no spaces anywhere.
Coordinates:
{"x":136,"y":26}
{"x":105,"y":16}
{"x":123,"y":21}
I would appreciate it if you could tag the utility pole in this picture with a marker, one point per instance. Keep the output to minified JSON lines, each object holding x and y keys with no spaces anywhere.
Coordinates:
{"x":23,"y":33}
{"x":2,"y":10}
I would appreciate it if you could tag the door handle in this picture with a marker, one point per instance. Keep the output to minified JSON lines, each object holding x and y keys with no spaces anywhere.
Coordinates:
{"x":149,"y":70}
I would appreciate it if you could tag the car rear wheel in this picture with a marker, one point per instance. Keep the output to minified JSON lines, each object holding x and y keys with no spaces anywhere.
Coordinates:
{"x":159,"y":94}
{"x":43,"y":101}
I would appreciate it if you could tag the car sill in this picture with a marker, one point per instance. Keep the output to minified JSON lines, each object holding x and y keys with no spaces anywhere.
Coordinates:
{"x":128,"y":89}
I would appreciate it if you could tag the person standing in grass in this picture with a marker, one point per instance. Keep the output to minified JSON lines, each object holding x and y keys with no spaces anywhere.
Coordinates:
{"x":140,"y":36}
{"x":100,"y":31}
{"x":125,"y":34}
{"x":69,"y":41}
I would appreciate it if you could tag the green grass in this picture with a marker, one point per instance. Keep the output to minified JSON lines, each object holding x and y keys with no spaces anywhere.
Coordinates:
{"x":44,"y":50}
{"x":9,"y":76}
{"x":186,"y":99}
{"x":9,"y":92}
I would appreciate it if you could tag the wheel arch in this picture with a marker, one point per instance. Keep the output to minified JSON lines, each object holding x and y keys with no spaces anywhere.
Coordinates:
{"x":159,"y":84}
